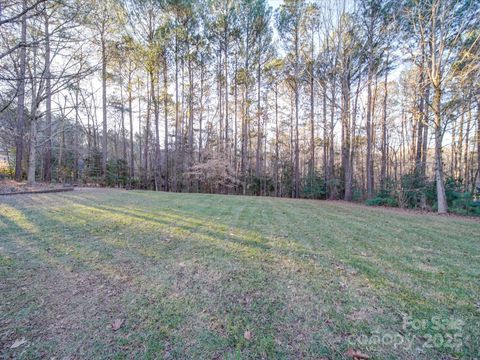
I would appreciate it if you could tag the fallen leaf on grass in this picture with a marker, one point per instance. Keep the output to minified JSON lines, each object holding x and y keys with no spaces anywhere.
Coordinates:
{"x":355,"y":354}
{"x":247,"y":335}
{"x":17,"y":343}
{"x":117,"y":324}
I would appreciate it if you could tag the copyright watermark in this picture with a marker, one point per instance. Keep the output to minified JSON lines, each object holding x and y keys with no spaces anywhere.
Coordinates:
{"x":433,"y":333}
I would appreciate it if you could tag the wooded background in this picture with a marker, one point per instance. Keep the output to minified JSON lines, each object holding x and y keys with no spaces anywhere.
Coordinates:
{"x":340,"y":99}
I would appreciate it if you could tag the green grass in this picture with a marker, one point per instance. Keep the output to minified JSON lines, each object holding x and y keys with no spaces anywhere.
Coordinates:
{"x":190,"y":274}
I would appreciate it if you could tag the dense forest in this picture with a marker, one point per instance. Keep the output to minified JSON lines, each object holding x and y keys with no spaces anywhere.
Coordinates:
{"x":372,"y":100}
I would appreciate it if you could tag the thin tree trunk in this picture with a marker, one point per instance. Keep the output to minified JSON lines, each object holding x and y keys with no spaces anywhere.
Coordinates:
{"x":331,"y":157}
{"x":147,"y":131}
{"x":200,"y":120}
{"x":130,"y":116}
{"x":33,"y":125}
{"x":48,"y":106}
{"x":190,"y":110}
{"x":453,"y":152}
{"x":425,"y":132}
{"x":326,"y":167}
{"x":277,"y":150}
{"x":259,"y":133}
{"x":312,"y":118}
{"x":459,"y":157}
{"x":165,"y":114}
{"x":383,"y":170}
{"x":297,"y":144}
{"x":122,"y":118}
{"x":441,"y":197}
{"x":235,"y":135}
{"x":177,"y":120}
{"x":345,"y":114}
{"x":466,"y":152}
{"x":21,"y":99}
{"x":226,"y":41}
{"x":76,"y":137}
{"x":421,"y":113}
{"x":157,"y":130}
{"x":140,"y":157}
{"x":477,"y":182}
{"x":104,"y":103}
{"x":369,"y":133}
{"x":349,"y":167}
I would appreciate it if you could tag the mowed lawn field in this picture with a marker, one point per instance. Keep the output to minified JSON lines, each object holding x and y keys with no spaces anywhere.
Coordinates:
{"x":98,"y":273}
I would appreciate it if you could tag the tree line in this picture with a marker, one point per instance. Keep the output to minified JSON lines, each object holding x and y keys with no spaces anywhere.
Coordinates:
{"x":340,"y":99}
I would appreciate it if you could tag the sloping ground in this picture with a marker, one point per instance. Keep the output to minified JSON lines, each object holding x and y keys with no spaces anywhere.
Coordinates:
{"x":114,"y":274}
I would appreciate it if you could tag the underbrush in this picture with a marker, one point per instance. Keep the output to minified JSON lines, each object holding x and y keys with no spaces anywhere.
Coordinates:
{"x":415,"y":193}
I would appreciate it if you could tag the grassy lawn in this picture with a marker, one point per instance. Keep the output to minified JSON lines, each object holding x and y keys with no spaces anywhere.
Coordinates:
{"x":227,"y":277}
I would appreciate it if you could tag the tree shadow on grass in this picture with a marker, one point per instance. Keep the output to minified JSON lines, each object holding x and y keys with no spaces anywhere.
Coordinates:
{"x":48,"y":247}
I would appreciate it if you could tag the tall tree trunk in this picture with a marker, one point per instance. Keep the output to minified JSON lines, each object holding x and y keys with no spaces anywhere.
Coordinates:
{"x":122,"y":119}
{"x":33,"y":125}
{"x":130,"y":117}
{"x":345,"y":114}
{"x":383,"y":170}
{"x":157,"y":130}
{"x":245,"y":118}
{"x":165,"y":119}
{"x":21,"y":98}
{"x":104,"y":103}
{"x":439,"y":176}
{"x":259,"y":133}
{"x":235,"y":130}
{"x":312,"y":118}
{"x":326,"y":173}
{"x":277,"y":134}
{"x":349,"y":167}
{"x":177,"y":120}
{"x":220,"y":96}
{"x":369,"y":126}
{"x":477,"y":182}
{"x":466,"y":152}
{"x":297,"y":101}
{"x":62,"y":173}
{"x":331,"y":143}
{"x":425,"y":132}
{"x":297,"y":146}
{"x":190,"y":110}
{"x":140,"y":157}
{"x":200,"y":120}
{"x":226,"y":42}
{"x":76,"y":137}
{"x":32,"y":155}
{"x":47,"y":173}
{"x":421,"y":111}
{"x":147,"y":132}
